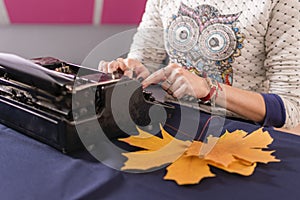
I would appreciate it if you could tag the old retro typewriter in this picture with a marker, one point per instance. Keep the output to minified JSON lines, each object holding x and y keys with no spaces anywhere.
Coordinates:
{"x":51,"y":101}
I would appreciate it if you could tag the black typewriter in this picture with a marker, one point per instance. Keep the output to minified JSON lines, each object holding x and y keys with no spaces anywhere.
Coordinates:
{"x":51,"y":101}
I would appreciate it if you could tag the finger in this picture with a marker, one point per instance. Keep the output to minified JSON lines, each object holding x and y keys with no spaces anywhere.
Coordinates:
{"x":170,"y":87}
{"x":171,"y":68}
{"x":166,"y":85}
{"x":177,"y":83}
{"x":103,"y":66}
{"x":128,"y":73}
{"x":141,"y":72}
{"x":122,"y":64}
{"x":100,"y":65}
{"x":142,"y":75}
{"x":154,"y":78}
{"x":112,"y":66}
{"x":120,"y":60}
{"x":172,"y":77}
{"x":131,"y":63}
{"x":180,"y":92}
{"x":135,"y":65}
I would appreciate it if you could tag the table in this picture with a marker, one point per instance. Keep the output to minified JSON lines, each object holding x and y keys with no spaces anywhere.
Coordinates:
{"x":32,"y":170}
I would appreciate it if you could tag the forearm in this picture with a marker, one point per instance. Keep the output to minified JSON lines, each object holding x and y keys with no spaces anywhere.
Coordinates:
{"x":248,"y":104}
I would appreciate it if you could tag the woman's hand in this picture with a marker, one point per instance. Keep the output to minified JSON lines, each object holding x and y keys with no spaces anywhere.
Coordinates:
{"x":128,"y":66}
{"x":179,"y":82}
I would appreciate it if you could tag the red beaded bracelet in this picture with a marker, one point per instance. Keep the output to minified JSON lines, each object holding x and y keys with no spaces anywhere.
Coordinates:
{"x":213,"y":93}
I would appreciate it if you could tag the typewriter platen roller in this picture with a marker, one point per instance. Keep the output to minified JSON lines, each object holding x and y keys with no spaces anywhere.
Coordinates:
{"x":51,"y":100}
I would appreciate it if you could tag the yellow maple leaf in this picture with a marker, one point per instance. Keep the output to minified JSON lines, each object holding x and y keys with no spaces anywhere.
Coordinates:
{"x":158,"y":151}
{"x":237,"y":167}
{"x":238,"y":145}
{"x":188,"y":170}
{"x":148,"y":141}
{"x":191,"y":169}
{"x":236,"y":152}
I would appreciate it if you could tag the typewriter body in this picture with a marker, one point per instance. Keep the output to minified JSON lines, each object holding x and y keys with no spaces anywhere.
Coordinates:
{"x":51,"y":101}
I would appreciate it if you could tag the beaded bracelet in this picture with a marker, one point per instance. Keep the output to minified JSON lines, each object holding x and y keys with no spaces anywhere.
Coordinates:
{"x":213,"y":93}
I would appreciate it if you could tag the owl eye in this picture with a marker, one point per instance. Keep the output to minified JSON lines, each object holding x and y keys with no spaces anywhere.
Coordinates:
{"x":217,"y":42}
{"x":183,"y":34}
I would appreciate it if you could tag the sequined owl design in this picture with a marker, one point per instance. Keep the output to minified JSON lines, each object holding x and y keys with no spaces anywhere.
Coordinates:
{"x":204,"y":41}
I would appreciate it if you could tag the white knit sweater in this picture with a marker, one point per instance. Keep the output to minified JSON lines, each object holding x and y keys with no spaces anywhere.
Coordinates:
{"x":249,"y":44}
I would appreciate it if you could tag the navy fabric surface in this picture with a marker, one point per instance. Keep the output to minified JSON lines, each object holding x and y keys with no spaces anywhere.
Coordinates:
{"x":32,"y":170}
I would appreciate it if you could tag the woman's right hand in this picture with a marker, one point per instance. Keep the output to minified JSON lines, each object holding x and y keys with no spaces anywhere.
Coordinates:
{"x":130,"y":67}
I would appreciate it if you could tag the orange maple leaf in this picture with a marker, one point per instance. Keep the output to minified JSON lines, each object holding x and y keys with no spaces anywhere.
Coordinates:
{"x":188,"y":170}
{"x":236,"y":152}
{"x":192,"y":169}
{"x":148,"y":141}
{"x":158,"y":151}
{"x":239,"y":145}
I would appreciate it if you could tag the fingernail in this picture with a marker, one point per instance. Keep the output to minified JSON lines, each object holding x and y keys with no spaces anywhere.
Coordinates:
{"x":140,"y":79}
{"x":144,"y":85}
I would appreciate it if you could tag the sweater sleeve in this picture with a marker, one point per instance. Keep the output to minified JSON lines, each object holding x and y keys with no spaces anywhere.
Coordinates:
{"x":148,"y":42}
{"x":283,"y":57}
{"x":275,"y":111}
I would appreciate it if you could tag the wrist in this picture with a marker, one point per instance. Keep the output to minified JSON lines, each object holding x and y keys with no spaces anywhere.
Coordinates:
{"x":206,"y":89}
{"x":213,"y":88}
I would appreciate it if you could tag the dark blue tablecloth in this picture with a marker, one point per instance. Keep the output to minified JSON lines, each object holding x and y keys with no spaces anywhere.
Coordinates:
{"x":32,"y":170}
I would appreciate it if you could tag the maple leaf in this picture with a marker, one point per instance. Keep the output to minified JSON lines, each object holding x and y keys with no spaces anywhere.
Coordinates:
{"x":237,"y":167}
{"x":236,"y":152}
{"x":158,"y":151}
{"x":188,"y":170}
{"x":192,"y":168}
{"x":239,"y":145}
{"x":148,"y":141}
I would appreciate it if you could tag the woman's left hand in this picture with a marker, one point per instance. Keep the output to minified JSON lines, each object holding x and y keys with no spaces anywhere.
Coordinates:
{"x":179,"y":82}
{"x":128,"y":66}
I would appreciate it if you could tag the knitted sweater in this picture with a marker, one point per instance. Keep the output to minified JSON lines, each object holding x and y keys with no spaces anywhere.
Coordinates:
{"x":249,"y":44}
